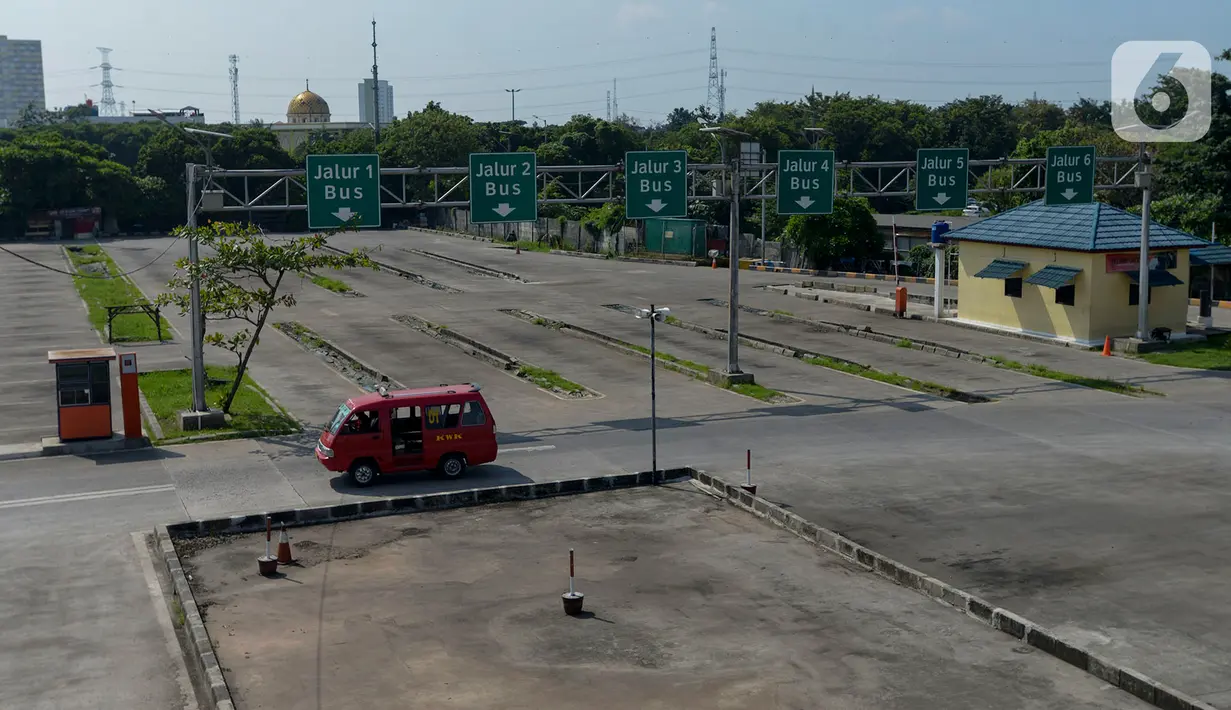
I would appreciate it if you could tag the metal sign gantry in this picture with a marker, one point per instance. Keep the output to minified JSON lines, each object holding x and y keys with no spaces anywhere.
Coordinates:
{"x":285,"y":190}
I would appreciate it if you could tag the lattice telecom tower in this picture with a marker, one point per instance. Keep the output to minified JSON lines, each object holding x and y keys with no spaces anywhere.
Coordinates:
{"x":107,"y":105}
{"x":609,"y":106}
{"x":615,"y":102}
{"x":234,"y":89}
{"x":714,"y":98}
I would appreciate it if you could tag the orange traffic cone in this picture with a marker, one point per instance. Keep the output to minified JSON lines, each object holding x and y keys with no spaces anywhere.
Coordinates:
{"x":1107,"y":346}
{"x":284,"y":548}
{"x":518,"y":248}
{"x":714,"y":263}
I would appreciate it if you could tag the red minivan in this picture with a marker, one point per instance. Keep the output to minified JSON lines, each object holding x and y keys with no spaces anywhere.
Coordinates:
{"x":445,"y":428}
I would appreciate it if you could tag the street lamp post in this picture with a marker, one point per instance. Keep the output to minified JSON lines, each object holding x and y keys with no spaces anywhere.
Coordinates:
{"x":196,"y":313}
{"x":513,"y":96}
{"x":720,"y":132}
{"x":1144,"y":181}
{"x":654,"y":315}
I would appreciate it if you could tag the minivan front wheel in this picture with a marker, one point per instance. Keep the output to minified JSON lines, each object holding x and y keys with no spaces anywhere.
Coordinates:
{"x":363,"y":473}
{"x":452,"y":466}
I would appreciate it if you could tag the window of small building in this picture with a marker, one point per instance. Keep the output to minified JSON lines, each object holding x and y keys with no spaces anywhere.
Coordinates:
{"x":1067,"y":295}
{"x":84,"y":383}
{"x":1013,"y":287}
{"x":1134,"y":299}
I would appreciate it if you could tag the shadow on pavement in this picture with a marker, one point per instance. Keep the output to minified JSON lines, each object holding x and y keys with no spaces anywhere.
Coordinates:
{"x":135,"y":456}
{"x":420,"y":482}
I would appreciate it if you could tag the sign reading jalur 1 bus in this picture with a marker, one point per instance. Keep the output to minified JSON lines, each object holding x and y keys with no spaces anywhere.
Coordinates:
{"x":342,"y":188}
{"x":503,"y":187}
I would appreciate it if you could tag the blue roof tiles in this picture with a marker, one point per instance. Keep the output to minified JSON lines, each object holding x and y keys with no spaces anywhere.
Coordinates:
{"x":1094,"y":227}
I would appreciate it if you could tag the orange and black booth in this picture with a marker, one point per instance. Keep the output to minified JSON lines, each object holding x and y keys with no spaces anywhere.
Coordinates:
{"x":83,"y":393}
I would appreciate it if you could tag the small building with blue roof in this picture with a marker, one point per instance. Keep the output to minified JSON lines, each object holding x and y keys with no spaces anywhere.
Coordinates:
{"x":1070,"y":272}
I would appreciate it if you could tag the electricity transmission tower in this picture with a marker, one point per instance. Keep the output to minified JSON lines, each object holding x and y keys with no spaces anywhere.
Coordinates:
{"x":608,"y":106}
{"x":234,"y":89}
{"x":107,"y":105}
{"x":714,"y":98}
{"x":615,"y":102}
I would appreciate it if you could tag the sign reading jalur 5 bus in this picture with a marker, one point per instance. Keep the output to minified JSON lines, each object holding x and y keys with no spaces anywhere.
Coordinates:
{"x":941,"y":178}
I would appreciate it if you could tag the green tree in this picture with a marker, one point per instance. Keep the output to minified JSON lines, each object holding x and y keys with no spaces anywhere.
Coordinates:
{"x":241,"y":280}
{"x":984,"y":124}
{"x":43,"y":170}
{"x":849,"y":232}
{"x":431,"y":137}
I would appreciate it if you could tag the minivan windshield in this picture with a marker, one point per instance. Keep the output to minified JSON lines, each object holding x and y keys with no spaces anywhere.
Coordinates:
{"x":336,"y":423}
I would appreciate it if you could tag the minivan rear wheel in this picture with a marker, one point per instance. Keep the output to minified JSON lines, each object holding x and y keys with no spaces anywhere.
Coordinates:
{"x":452,"y":466}
{"x":363,"y":473}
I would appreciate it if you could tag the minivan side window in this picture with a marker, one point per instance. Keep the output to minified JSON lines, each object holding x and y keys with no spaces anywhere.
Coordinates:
{"x":443,"y":416}
{"x":472,"y":414}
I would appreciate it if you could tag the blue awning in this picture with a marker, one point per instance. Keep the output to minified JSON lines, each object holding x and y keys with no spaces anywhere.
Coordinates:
{"x":1054,"y":276}
{"x":1158,"y":277}
{"x":1001,"y":269}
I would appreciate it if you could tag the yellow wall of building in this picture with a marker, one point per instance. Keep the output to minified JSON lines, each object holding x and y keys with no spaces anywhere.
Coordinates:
{"x":983,"y":300}
{"x":1101,"y":301}
{"x":1168,"y":304}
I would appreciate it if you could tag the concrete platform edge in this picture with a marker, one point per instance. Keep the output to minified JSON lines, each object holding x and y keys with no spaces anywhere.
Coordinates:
{"x":1033,"y":634}
{"x":198,"y":649}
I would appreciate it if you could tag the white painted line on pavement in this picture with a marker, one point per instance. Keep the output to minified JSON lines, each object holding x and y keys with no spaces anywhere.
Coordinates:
{"x":95,"y":495}
{"x":545,"y":447}
{"x":187,"y":695}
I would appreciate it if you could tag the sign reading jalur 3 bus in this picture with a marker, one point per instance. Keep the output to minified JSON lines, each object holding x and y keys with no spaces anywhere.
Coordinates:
{"x":656,"y":184}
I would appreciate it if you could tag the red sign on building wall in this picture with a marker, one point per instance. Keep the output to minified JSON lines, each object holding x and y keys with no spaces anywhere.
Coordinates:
{"x":1122,"y":263}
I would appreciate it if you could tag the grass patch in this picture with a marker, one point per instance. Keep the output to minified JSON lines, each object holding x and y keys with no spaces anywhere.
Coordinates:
{"x":905,"y":343}
{"x":893,"y":378}
{"x":1098,"y":383}
{"x":671,"y":320}
{"x":177,"y":613}
{"x":169,"y":392}
{"x":1213,"y":354}
{"x":331,"y":284}
{"x":98,"y":293}
{"x":783,"y":313}
{"x":668,"y":357}
{"x":549,"y":379}
{"x":542,"y":247}
{"x":756,"y":391}
{"x":302,"y":333}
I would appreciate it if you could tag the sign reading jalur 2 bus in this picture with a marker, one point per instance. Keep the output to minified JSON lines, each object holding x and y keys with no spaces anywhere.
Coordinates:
{"x":656,"y":184}
{"x":342,"y":187}
{"x":805,"y":181}
{"x":1070,"y":175}
{"x":503,"y":187}
{"x":941,"y":178}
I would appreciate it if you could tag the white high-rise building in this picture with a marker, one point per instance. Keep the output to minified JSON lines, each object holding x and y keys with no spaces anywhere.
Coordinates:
{"x":21,"y":77}
{"x":385,"y":94}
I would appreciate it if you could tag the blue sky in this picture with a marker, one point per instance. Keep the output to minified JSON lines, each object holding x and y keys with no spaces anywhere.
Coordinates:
{"x":563,"y":54}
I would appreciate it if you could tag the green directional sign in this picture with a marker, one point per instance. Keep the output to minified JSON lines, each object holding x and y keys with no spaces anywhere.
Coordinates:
{"x":941,"y":178}
{"x":503,"y":187}
{"x":656,"y":184}
{"x":805,"y":181}
{"x":1070,"y":175}
{"x":341,"y":188}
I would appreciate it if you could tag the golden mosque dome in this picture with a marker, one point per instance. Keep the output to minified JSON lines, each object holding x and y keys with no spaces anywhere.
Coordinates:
{"x":307,"y":103}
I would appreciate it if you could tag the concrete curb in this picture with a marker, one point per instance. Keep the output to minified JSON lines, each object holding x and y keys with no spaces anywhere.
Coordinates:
{"x":1002,"y":620}
{"x":465,"y":343}
{"x":482,"y":270}
{"x":408,"y":275}
{"x":1215,"y":304}
{"x":631,"y":259}
{"x":846,"y":274}
{"x":337,"y":351}
{"x":196,"y":644}
{"x":719,"y":379}
{"x":791,"y":351}
{"x":147,"y":413}
{"x":297,"y":517}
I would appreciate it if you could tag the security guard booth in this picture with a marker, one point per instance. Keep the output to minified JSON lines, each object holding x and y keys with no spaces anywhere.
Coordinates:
{"x":83,"y":392}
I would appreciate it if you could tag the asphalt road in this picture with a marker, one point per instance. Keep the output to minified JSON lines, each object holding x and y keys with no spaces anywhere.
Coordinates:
{"x":1097,"y":514}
